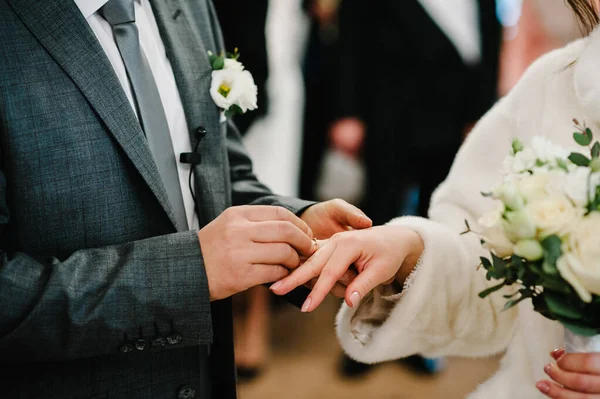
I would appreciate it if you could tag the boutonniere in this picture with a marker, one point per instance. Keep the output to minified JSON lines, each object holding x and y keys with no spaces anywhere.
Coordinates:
{"x":232,"y":87}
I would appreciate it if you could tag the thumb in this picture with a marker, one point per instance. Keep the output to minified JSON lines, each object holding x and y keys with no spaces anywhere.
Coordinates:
{"x":350,"y":216}
{"x":364,"y":283}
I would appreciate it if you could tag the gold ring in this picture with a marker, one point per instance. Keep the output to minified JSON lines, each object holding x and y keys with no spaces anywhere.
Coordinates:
{"x":315,"y":244}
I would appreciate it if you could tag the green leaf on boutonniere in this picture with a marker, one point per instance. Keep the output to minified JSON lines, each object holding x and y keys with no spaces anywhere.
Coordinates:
{"x":218,"y":62}
{"x":233,"y":110}
{"x":596,"y":150}
{"x":583,"y":139}
{"x":579,"y":159}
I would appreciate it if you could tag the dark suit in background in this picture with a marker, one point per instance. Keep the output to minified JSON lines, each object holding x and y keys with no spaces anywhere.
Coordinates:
{"x":101,"y":295}
{"x":403,"y":77}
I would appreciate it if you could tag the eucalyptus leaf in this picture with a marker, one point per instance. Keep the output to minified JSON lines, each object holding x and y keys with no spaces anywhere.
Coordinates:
{"x":514,"y":302}
{"x":582,"y":139}
{"x":579,"y":159}
{"x":596,"y":150}
{"x":490,"y":290}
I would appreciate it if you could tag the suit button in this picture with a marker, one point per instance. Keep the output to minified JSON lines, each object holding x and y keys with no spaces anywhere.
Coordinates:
{"x":158,"y":342}
{"x":126,"y":348}
{"x":174,"y":339}
{"x":141,"y":344}
{"x":186,"y":392}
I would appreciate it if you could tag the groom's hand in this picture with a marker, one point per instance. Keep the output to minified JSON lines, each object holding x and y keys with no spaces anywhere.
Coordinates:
{"x":251,"y":245}
{"x":335,"y":216}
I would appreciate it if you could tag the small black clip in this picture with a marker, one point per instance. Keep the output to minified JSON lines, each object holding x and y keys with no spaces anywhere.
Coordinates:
{"x":176,"y":14}
{"x":190,"y":157}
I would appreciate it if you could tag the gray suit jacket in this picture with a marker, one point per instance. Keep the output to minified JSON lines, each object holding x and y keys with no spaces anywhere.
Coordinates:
{"x":100,"y":294}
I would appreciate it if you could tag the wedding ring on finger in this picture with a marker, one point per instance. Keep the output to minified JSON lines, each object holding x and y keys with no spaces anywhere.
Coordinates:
{"x":315,"y":245}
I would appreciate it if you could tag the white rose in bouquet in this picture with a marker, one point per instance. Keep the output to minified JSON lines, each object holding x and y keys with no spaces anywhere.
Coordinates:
{"x":494,"y":239}
{"x":580,"y":265}
{"x":519,"y":225}
{"x":510,"y":196}
{"x":554,"y":215}
{"x":534,"y":187}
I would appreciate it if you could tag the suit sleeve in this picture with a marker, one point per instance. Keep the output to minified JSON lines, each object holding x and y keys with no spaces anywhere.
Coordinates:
{"x":98,"y":300}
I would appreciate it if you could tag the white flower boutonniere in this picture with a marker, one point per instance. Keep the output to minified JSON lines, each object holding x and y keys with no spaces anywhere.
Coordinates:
{"x":232,"y":87}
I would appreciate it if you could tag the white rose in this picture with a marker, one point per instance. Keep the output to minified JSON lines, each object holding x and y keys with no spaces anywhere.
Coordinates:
{"x":230,"y":86}
{"x":495,"y":240}
{"x":534,"y":187}
{"x":564,"y":265}
{"x":233,"y":64}
{"x":529,"y":249}
{"x":554,"y":214}
{"x":581,"y":264}
{"x":519,"y":225}
{"x":509,"y":195}
{"x":576,"y":186}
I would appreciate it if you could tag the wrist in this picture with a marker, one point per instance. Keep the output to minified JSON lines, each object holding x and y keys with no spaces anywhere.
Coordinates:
{"x":416,"y":247}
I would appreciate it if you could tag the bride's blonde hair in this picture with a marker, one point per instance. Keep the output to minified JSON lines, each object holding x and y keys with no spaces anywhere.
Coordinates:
{"x":586,"y":13}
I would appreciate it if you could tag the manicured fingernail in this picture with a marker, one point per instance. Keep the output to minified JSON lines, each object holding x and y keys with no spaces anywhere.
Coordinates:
{"x":547,"y":368}
{"x":306,"y":305}
{"x":557,"y":353}
{"x":543,"y":386}
{"x":354,"y":299}
{"x":276,"y":286}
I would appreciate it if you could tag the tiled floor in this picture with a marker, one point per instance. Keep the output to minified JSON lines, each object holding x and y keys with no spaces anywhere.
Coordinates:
{"x":303,"y":363}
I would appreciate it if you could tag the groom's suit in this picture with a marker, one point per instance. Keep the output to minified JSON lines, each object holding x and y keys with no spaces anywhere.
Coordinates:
{"x":101,"y":295}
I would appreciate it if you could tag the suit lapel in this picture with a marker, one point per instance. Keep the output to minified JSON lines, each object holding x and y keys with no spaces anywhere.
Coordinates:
{"x":64,"y":33}
{"x":187,"y":36}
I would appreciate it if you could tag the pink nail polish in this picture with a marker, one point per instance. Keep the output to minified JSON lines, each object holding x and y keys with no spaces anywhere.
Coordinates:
{"x":306,"y":305}
{"x":557,"y":353}
{"x":547,"y":369}
{"x":543,"y":386}
{"x":276,"y":286}
{"x":354,"y":299}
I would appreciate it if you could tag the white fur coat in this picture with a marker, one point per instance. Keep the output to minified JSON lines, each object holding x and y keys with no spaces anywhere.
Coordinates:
{"x":439,"y":313}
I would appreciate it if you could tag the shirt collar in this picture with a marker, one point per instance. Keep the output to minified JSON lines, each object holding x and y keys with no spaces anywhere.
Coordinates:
{"x":89,"y":7}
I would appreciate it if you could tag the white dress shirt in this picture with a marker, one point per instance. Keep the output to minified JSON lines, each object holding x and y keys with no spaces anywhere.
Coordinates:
{"x":459,"y":20}
{"x":154,"y":49}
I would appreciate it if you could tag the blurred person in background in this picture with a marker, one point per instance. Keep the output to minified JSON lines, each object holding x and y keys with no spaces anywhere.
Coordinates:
{"x":414,"y":76}
{"x":319,"y":71}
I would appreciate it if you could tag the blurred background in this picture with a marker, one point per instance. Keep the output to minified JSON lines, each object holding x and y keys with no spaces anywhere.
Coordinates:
{"x":368,"y":101}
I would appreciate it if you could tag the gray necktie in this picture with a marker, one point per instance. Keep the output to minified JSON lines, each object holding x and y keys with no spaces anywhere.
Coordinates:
{"x":120,"y":14}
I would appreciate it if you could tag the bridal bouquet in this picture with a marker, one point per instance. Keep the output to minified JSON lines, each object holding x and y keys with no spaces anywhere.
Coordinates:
{"x":544,"y":236}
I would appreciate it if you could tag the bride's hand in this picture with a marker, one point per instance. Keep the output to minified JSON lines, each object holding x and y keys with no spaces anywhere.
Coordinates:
{"x":575,"y":376}
{"x":380,"y":255}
